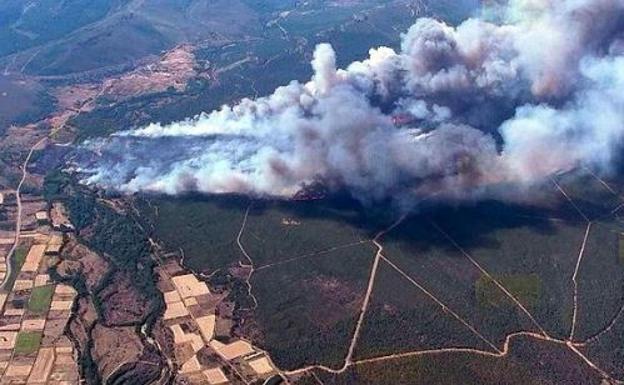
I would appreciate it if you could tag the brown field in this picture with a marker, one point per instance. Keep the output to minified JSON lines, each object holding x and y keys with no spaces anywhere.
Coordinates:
{"x":43,"y":366}
{"x":175,"y":310}
{"x":261,"y":366}
{"x":174,"y":69}
{"x":215,"y":376}
{"x":42,"y":280}
{"x":192,"y":365}
{"x":61,"y":305}
{"x":206,"y":326}
{"x":33,"y":258}
{"x":172,"y":297}
{"x":13,"y":312}
{"x":179,"y":337}
{"x":7,"y":339}
{"x":33,"y":324}
{"x":62,"y":289}
{"x":189,"y":286}
{"x":17,"y":370}
{"x":233,"y":350}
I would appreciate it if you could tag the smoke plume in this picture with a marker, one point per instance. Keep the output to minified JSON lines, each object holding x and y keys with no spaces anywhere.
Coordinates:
{"x":496,"y":104}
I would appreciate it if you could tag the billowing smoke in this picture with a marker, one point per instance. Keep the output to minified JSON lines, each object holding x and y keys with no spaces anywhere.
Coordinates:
{"x":496,"y":104}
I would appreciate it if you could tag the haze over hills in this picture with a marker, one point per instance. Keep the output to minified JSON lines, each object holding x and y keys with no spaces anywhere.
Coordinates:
{"x":60,"y":37}
{"x":345,"y":192}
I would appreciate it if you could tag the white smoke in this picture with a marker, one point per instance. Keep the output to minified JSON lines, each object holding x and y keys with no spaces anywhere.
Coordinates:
{"x":459,"y":111}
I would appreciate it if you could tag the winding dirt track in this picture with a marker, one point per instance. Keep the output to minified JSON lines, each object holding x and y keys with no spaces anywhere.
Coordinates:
{"x":249,"y":266}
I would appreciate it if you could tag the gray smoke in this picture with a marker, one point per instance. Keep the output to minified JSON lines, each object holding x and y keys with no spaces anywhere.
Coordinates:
{"x":496,"y":104}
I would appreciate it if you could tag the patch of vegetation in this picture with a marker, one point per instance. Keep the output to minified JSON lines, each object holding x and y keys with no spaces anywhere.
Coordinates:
{"x":425,"y":255}
{"x":109,"y":118}
{"x":40,"y":299}
{"x":44,"y":104}
{"x":507,"y":240}
{"x":276,"y":61}
{"x":27,"y":342}
{"x":589,"y":194}
{"x":54,"y":184}
{"x":25,"y":26}
{"x":17,"y":261}
{"x":608,"y":351}
{"x":525,"y":287}
{"x":307,"y":379}
{"x":116,"y":235}
{"x":19,"y":257}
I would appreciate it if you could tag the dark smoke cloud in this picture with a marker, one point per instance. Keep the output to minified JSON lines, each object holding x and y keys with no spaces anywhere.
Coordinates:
{"x":529,"y":89}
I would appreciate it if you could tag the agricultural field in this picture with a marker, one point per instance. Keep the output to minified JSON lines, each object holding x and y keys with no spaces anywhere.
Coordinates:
{"x":40,"y":299}
{"x":310,"y":265}
{"x":27,"y":343}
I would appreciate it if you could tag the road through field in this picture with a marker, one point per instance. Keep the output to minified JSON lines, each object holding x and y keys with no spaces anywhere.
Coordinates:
{"x":18,"y":219}
{"x":24,"y":168}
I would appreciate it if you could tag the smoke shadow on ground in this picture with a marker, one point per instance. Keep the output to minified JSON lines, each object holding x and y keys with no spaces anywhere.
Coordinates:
{"x":472,"y":224}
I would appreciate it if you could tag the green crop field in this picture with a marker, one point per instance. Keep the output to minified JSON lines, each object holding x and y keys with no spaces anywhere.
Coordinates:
{"x":40,"y":299}
{"x":525,"y":287}
{"x":20,"y":256}
{"x":18,"y":259}
{"x":27,"y":342}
